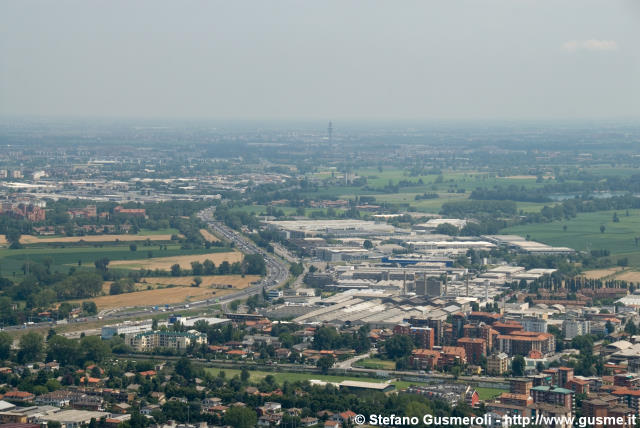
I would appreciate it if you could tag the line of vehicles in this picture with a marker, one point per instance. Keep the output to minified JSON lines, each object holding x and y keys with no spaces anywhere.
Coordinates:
{"x":277,"y":270}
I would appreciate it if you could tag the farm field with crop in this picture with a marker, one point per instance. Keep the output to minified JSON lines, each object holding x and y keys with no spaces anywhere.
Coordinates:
{"x":184,"y":261}
{"x":583,"y":233}
{"x":163,"y":292}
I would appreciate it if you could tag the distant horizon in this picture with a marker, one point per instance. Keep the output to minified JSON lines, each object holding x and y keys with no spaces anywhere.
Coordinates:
{"x":335,"y":121}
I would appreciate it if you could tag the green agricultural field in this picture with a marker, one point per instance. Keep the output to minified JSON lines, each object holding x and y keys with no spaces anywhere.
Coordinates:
{"x":63,"y":257}
{"x":151,"y":232}
{"x":468,"y":180}
{"x":533,"y":207}
{"x":583,"y":233}
{"x":611,"y":171}
{"x":451,"y":181}
{"x":425,"y":205}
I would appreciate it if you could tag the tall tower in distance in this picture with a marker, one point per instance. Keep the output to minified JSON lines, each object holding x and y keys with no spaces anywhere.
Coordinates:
{"x":330,"y":131}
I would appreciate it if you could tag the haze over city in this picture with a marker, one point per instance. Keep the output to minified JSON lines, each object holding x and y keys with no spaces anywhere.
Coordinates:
{"x":420,"y":60}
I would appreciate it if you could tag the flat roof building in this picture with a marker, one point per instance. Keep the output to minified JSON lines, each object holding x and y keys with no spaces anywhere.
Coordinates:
{"x":73,"y":418}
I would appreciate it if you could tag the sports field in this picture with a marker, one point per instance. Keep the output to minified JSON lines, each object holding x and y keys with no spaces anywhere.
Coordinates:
{"x":376,"y":364}
{"x":280,"y":377}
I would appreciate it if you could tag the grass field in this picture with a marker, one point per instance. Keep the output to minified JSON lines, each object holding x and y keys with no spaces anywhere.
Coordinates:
{"x":376,"y":364}
{"x":489,"y":393}
{"x":64,"y":257}
{"x":29,"y":239}
{"x":257,"y":376}
{"x":583,"y":233}
{"x":183,"y":261}
{"x":179,"y":294}
{"x":143,"y":235}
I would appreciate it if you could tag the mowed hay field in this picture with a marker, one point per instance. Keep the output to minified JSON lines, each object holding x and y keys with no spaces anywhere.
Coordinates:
{"x":165,"y":263}
{"x":178,"y":294}
{"x":214,"y":281}
{"x":631,"y":276}
{"x":208,"y":235}
{"x":600,"y":273}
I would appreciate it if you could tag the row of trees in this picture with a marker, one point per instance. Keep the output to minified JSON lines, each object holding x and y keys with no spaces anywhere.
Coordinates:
{"x":32,"y":348}
{"x":252,"y":264}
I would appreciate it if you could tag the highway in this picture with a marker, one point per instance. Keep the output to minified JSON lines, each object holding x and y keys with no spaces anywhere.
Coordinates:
{"x":277,"y":273}
{"x":277,"y":270}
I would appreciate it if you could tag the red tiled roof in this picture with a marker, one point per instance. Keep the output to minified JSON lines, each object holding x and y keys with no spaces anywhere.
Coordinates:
{"x":626,"y":391}
{"x":18,"y":394}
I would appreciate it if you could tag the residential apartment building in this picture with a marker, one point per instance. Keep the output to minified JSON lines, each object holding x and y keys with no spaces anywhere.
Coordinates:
{"x":523,"y":342}
{"x":537,"y":325}
{"x":127,"y":327}
{"x":497,"y":364}
{"x":148,"y":341}
{"x":553,"y":395}
{"x":573,"y":328}
{"x":475,"y":348}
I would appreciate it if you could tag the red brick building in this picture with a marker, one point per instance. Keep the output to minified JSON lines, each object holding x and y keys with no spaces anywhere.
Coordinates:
{"x":523,"y":342}
{"x":475,"y":348}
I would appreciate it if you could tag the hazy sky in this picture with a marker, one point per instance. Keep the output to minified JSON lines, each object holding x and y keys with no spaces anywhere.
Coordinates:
{"x":324,"y":59}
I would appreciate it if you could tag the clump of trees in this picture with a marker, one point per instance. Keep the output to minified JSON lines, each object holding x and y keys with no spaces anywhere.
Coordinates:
{"x":329,"y":338}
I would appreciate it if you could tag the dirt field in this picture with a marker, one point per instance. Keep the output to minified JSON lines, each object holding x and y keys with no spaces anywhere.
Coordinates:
{"x":600,"y":273}
{"x":631,"y":276}
{"x":29,"y":239}
{"x":183,"y":261}
{"x":161,"y":296}
{"x":208,"y":235}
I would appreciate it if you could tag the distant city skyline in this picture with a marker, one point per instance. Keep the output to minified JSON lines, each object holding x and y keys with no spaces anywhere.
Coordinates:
{"x":327,"y":61}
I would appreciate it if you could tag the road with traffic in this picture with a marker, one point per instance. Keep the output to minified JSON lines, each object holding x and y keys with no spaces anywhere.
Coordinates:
{"x":277,"y":274}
